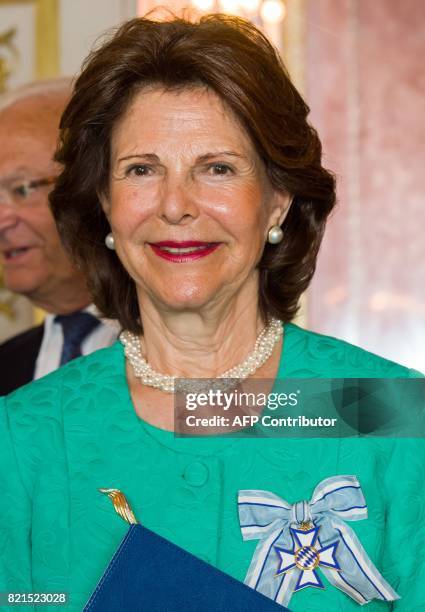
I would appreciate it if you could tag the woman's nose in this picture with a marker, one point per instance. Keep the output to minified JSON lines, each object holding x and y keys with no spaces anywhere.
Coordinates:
{"x":178,"y":202}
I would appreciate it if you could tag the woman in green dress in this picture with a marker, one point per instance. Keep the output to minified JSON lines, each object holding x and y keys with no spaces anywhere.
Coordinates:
{"x":193,"y":196}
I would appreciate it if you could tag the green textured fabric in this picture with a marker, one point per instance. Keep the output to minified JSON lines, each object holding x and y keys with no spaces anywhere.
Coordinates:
{"x":66,"y":435}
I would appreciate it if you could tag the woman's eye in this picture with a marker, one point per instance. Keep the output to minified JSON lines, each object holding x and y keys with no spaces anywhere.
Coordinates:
{"x":139,"y":170}
{"x":221,"y":169}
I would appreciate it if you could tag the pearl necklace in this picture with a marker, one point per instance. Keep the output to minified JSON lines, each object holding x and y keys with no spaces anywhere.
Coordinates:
{"x":148,"y":376}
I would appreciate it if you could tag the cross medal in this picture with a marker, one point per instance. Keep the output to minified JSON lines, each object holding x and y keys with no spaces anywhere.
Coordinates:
{"x":307,"y":556}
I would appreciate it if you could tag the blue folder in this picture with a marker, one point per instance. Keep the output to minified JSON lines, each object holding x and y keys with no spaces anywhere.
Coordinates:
{"x":151,"y":574}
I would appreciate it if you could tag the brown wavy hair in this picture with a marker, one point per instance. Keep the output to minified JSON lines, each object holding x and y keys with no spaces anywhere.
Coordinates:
{"x":234,"y":59}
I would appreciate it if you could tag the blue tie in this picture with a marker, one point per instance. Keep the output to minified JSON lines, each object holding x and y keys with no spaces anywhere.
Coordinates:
{"x":76,"y":327}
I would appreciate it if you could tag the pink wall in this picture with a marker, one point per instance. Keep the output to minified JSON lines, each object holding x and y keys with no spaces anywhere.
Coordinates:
{"x":366,"y":86}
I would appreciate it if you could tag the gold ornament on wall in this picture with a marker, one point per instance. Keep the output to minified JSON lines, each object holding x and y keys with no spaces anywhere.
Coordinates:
{"x":9,"y":56}
{"x":46,"y":27}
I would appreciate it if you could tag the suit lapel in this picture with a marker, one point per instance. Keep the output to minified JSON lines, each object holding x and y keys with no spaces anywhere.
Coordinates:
{"x":18,"y":357}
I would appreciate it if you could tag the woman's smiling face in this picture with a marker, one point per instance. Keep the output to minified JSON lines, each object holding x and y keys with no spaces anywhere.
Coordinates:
{"x":189,"y":201}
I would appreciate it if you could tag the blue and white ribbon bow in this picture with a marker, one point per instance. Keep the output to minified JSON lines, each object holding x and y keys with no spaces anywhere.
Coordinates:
{"x":298,"y":540}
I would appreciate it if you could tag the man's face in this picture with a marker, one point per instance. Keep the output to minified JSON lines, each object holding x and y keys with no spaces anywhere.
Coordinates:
{"x":33,"y":260}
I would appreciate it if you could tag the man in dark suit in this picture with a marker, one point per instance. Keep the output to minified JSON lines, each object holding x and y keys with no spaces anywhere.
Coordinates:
{"x":34,"y":263}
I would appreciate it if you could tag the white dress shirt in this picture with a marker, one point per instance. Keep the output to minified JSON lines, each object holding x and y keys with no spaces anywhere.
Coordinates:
{"x":49,"y":355}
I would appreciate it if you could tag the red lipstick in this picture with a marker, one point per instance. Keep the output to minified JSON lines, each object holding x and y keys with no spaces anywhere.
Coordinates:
{"x":184,"y":251}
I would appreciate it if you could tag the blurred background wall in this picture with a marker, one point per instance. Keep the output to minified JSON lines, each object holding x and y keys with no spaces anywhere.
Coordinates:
{"x":359,"y":65}
{"x":366,"y":86}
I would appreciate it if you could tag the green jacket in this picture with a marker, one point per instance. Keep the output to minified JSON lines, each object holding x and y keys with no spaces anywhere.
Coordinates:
{"x":64,"y":436}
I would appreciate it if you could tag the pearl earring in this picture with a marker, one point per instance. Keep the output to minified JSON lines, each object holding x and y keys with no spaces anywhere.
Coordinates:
{"x":275,"y":235}
{"x":109,"y":241}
